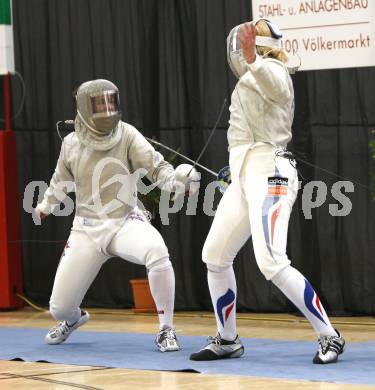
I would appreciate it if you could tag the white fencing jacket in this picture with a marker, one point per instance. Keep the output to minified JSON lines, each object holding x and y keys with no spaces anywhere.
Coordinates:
{"x":261,"y":111}
{"x":103,"y":186}
{"x":262,"y":105}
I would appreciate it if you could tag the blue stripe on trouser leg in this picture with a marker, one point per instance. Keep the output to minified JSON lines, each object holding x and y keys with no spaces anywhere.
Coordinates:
{"x":310,"y":297}
{"x":225,"y":300}
{"x":267,"y":204}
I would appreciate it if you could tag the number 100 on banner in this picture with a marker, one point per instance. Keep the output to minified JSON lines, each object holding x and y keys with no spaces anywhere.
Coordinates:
{"x":325,"y":34}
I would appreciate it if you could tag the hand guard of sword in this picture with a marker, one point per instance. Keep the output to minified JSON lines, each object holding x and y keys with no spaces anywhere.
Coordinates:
{"x":187,"y":179}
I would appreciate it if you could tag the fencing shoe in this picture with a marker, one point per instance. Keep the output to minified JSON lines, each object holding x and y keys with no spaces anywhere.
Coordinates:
{"x":166,"y":340}
{"x":219,"y":348}
{"x":59,"y":333}
{"x":330,"y":347}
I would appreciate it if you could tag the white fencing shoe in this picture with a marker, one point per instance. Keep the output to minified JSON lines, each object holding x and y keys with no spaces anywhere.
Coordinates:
{"x":59,"y":333}
{"x":330,"y":347}
{"x":166,"y":340}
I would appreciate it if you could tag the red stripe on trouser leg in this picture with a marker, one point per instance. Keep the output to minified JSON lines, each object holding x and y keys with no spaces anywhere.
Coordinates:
{"x":274,"y":217}
{"x":228,"y":311}
{"x":317,"y":301}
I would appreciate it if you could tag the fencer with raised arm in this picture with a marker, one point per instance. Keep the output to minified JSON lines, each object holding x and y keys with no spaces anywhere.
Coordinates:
{"x":260,"y":198}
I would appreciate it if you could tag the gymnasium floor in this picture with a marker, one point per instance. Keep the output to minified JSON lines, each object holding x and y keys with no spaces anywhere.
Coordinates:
{"x":42,"y":376}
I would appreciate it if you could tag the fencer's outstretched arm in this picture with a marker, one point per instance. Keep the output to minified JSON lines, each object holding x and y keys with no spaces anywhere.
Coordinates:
{"x":57,"y":189}
{"x":142,"y":154}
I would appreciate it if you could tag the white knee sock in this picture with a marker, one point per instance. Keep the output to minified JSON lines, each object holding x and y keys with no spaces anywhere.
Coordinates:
{"x":298,"y":290}
{"x":223,"y":290}
{"x":162,"y":286}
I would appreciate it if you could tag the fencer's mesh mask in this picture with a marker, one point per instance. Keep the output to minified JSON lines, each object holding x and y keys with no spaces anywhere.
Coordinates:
{"x":235,"y":58}
{"x":98,"y":114}
{"x":98,"y":105}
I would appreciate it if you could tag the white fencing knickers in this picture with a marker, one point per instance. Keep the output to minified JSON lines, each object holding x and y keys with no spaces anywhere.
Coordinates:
{"x":136,"y":241}
{"x":258,"y":202}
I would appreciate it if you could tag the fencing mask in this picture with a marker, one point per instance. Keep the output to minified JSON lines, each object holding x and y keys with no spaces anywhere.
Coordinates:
{"x":235,"y":57}
{"x":98,"y":114}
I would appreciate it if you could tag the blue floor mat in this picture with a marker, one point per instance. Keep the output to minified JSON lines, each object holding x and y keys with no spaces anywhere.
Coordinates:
{"x":263,"y":357}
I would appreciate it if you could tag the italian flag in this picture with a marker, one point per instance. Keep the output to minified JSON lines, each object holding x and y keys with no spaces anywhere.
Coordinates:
{"x":6,"y":37}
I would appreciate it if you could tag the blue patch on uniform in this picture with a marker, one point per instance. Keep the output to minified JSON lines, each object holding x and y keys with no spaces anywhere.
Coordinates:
{"x":309,"y":295}
{"x":267,"y":204}
{"x":223,"y":301}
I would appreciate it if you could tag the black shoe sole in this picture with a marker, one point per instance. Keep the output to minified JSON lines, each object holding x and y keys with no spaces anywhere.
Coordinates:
{"x":317,"y":360}
{"x":207,"y":355}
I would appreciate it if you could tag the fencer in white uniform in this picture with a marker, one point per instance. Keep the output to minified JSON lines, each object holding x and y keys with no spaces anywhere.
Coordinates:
{"x":260,"y":198}
{"x":104,"y":157}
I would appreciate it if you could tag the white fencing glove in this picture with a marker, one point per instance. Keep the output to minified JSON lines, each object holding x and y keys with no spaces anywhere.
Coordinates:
{"x":186,"y":175}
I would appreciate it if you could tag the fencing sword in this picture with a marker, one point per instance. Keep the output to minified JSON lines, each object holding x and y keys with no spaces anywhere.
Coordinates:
{"x":182,"y":156}
{"x":196,"y":162}
{"x":223,"y":177}
{"x":210,"y":136}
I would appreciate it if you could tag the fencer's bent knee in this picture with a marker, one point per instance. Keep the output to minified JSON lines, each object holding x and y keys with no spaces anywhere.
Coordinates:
{"x":280,"y":278}
{"x":160,"y":265}
{"x":211,"y":254}
{"x":156,"y":253}
{"x":270,"y":268}
{"x":217,"y":269}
